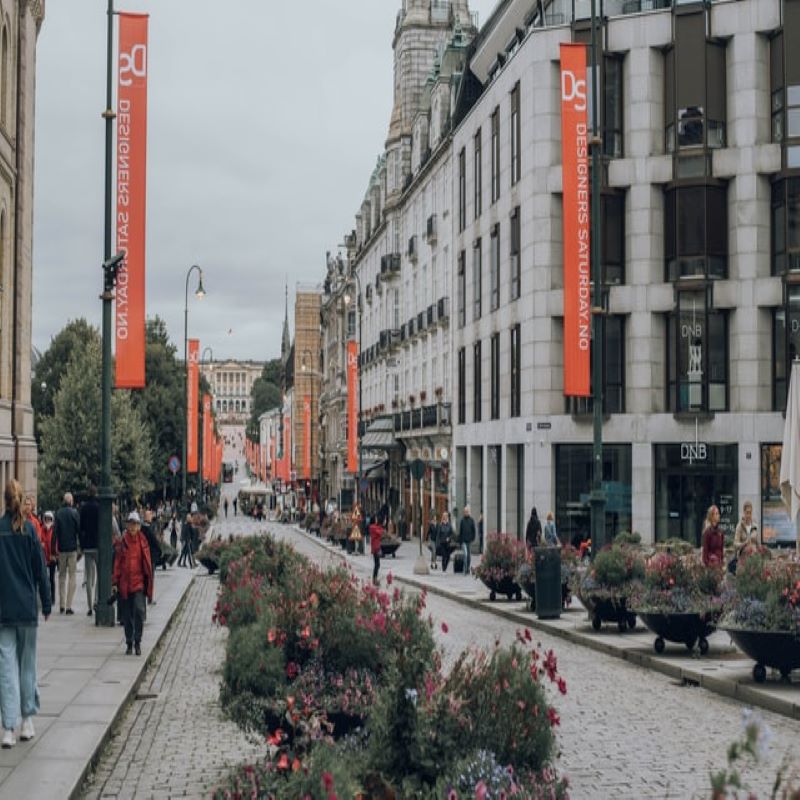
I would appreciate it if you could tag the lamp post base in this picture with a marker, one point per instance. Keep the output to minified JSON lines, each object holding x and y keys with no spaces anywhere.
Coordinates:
{"x":421,"y":566}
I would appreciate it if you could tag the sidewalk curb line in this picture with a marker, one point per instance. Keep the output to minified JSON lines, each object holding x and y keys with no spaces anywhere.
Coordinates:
{"x":720,"y":686}
{"x":75,"y":793}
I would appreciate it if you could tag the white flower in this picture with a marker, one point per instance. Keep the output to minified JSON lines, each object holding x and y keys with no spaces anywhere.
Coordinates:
{"x":411,"y":694}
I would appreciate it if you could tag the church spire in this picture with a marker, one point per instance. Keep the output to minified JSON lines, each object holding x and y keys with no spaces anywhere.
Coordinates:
{"x":285,"y":340}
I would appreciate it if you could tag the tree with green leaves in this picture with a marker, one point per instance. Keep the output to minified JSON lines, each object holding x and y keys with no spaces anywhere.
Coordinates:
{"x":266,"y":392}
{"x":50,"y":368}
{"x":71,"y":435}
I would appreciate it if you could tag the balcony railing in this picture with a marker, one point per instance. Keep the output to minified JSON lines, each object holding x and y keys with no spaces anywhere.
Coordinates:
{"x":424,"y":418}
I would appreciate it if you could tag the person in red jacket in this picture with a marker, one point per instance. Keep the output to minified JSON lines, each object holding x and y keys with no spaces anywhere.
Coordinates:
{"x":47,"y":536}
{"x":713,"y":539}
{"x":375,"y":536}
{"x":132,"y":581}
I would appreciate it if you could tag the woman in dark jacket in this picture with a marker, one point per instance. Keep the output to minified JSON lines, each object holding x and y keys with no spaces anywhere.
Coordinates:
{"x":445,"y":539}
{"x":533,"y":533}
{"x":433,"y":536}
{"x":22,"y":577}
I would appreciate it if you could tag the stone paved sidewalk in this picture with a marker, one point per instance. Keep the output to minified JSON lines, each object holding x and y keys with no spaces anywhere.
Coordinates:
{"x":173,"y":740}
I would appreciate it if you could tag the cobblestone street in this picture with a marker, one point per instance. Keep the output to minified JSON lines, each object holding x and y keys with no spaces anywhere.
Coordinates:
{"x":173,"y":740}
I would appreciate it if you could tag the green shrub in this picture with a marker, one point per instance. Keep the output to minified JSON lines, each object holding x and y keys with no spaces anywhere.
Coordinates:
{"x":618,"y":565}
{"x":626,"y":537}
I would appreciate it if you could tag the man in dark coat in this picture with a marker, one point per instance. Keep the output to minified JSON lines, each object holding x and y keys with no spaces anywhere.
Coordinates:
{"x":533,"y":531}
{"x":67,"y":526}
{"x":466,"y":536}
{"x":89,"y":536}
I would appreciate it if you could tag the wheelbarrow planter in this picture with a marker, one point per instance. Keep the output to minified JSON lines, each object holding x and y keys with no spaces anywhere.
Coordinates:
{"x":684,"y":628}
{"x":609,"y":609}
{"x":507,"y":586}
{"x":777,"y":649}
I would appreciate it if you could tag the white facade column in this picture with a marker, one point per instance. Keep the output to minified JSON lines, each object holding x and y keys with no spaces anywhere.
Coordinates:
{"x":643,"y":491}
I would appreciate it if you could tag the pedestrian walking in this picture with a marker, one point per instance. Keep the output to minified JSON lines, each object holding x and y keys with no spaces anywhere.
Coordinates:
{"x":444,"y":539}
{"x":89,"y":538}
{"x":187,"y":536}
{"x":466,"y":536}
{"x":550,"y":533}
{"x":148,"y":530}
{"x":235,"y":504}
{"x":433,"y":537}
{"x":375,"y":536}
{"x":173,"y":531}
{"x":480,"y":532}
{"x":47,"y":537}
{"x":713,"y":539}
{"x":132,"y":581}
{"x":67,"y":526}
{"x":225,"y":506}
{"x":22,"y":577}
{"x":533,"y":530}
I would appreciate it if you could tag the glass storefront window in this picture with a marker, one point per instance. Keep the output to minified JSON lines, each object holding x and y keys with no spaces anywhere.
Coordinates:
{"x":785,"y":345}
{"x":574,"y":483}
{"x":777,"y":527}
{"x":691,"y":477}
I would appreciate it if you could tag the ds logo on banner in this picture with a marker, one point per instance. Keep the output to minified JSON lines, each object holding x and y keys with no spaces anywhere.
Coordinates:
{"x":573,"y":90}
{"x":352,"y":360}
{"x":133,"y":65}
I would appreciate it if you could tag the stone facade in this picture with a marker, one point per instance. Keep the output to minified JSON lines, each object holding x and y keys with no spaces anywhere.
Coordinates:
{"x":20,"y":22}
{"x":231,"y":384}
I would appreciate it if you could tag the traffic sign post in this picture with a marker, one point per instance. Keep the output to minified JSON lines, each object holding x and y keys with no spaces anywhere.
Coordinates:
{"x":174,"y":464}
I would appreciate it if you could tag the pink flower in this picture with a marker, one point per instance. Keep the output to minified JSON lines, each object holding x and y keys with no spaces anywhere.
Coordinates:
{"x":553,"y":717}
{"x":389,"y":579}
{"x":445,"y":629}
{"x":480,"y":791}
{"x":327,"y":781}
{"x":562,"y":686}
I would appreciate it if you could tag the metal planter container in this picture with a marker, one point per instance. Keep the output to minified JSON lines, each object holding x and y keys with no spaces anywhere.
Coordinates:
{"x":777,"y":649}
{"x":686,"y":628}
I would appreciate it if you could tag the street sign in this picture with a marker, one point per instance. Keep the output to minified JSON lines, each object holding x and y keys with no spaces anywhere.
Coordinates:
{"x":174,"y":464}
{"x":418,"y":469}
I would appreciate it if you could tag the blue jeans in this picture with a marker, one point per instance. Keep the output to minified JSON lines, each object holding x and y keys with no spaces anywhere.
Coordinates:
{"x":18,"y":690}
{"x":465,"y":546}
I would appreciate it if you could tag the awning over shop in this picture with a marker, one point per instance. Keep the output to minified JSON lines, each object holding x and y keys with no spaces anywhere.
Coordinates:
{"x":380,"y":435}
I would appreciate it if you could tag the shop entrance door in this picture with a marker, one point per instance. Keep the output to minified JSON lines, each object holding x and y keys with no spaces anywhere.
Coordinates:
{"x":689,"y":499}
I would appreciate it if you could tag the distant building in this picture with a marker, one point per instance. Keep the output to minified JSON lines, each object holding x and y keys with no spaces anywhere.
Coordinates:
{"x":20,"y":22}
{"x":231,"y":384}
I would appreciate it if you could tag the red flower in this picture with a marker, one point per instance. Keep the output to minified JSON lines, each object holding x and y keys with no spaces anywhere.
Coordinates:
{"x":283,"y":762}
{"x":327,"y":781}
{"x":271,"y":635}
{"x":291,"y":670}
{"x":445,"y":629}
{"x":296,"y":764}
{"x":275,"y":738}
{"x":562,"y":686}
{"x":553,"y":717}
{"x":389,"y":579}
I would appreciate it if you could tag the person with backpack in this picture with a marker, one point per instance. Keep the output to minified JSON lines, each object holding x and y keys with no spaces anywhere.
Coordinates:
{"x":533,"y":531}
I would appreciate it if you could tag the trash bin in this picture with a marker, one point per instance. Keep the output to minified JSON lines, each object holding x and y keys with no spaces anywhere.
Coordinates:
{"x":548,"y":582}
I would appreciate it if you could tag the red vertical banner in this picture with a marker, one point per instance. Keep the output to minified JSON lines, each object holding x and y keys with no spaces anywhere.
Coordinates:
{"x":352,"y":406}
{"x":576,"y":199}
{"x":191,"y":406}
{"x":207,"y":437}
{"x":307,"y":438}
{"x":131,"y":200}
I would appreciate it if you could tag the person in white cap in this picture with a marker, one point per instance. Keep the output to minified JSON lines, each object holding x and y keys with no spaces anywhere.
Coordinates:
{"x":132,"y":581}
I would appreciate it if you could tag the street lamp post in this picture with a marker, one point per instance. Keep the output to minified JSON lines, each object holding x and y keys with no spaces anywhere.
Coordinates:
{"x":358,"y":432}
{"x":597,"y":497}
{"x":200,"y":482}
{"x":199,"y":294}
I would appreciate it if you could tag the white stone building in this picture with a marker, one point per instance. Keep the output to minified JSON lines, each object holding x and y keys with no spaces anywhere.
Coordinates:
{"x":231,"y":384}
{"x":700,"y":118}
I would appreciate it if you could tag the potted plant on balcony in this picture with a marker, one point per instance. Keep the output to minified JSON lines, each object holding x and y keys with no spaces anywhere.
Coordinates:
{"x":762,"y":612}
{"x":439,"y":391}
{"x":422,"y":396}
{"x":604,"y":589}
{"x":411,"y":400}
{"x":679,"y":600}
{"x":499,"y":566}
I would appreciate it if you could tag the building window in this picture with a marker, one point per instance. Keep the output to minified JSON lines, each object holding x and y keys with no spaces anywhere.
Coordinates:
{"x":785,"y":230}
{"x":785,"y":344}
{"x":696,"y":232}
{"x":516,"y":169}
{"x":462,"y":386}
{"x":785,"y":86}
{"x":477,"y":279}
{"x":514,"y":255}
{"x":613,"y":210}
{"x":494,"y":268}
{"x":476,"y":378}
{"x":695,"y":89}
{"x":697,"y":355}
{"x":495,"y":376}
{"x":478,"y":167}
{"x":462,"y":189}
{"x":612,"y":107}
{"x":516,"y":394}
{"x":612,"y":334}
{"x":496,"y":155}
{"x":462,"y":288}
{"x":574,"y":479}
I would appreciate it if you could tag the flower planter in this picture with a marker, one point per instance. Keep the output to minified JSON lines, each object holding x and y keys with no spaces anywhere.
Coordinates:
{"x":390,"y":549}
{"x":211,"y":565}
{"x":507,"y":586}
{"x":684,"y":628}
{"x":777,"y":649}
{"x":529,"y":587}
{"x":609,"y":609}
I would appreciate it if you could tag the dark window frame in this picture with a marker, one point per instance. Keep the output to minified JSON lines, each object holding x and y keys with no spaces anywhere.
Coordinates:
{"x":515,"y":370}
{"x":478,"y":170}
{"x":477,"y":279}
{"x":785,"y":225}
{"x":462,"y":189}
{"x":516,"y":135}
{"x":515,"y":254}
{"x":462,"y":288}
{"x":494,"y":372}
{"x":494,"y":267}
{"x":495,"y":122}
{"x":477,"y":400}
{"x":613,"y":106}
{"x":785,"y":342}
{"x":462,"y":385}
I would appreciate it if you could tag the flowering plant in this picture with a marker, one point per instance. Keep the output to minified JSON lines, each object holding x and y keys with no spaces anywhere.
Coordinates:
{"x":765,"y":594}
{"x":502,"y":558}
{"x":612,"y":576}
{"x":679,"y":585}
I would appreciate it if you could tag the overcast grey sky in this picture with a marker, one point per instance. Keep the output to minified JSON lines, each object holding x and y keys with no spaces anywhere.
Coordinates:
{"x":264,"y":123}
